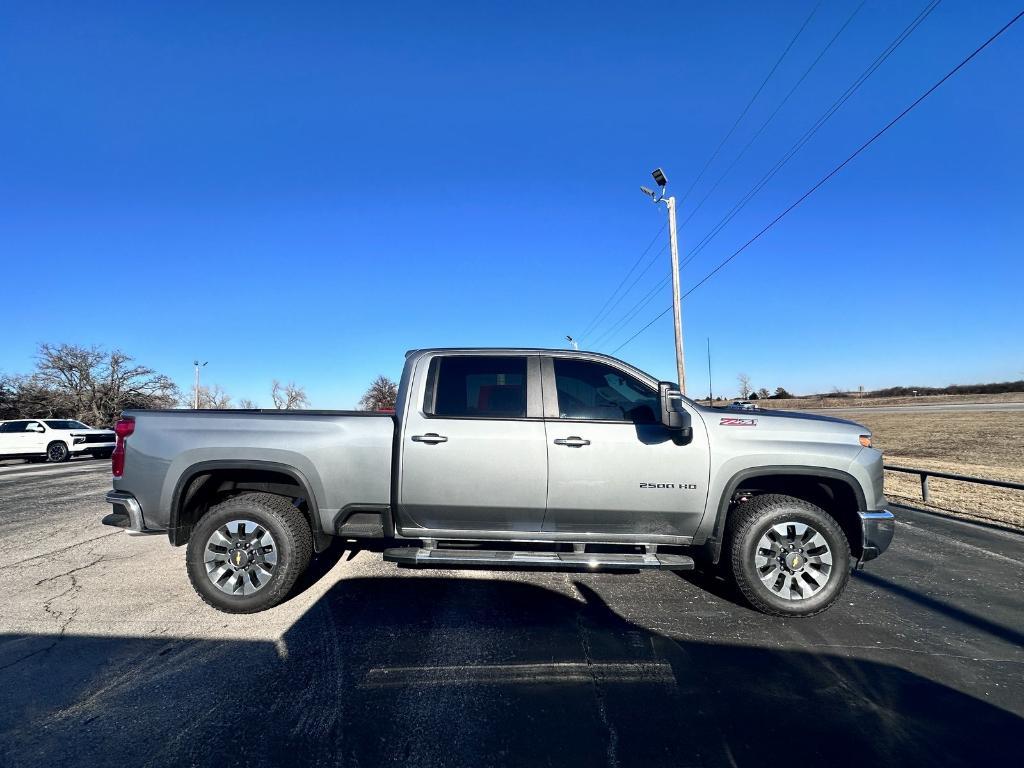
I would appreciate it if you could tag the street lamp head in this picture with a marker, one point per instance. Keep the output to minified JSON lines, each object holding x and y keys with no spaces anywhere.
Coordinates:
{"x":648,"y":192}
{"x":659,"y":177}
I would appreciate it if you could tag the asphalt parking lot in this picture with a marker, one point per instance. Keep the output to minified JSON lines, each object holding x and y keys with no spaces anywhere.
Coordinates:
{"x":108,"y":658}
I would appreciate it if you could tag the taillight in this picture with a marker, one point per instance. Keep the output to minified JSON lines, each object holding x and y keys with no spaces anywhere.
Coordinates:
{"x":122,"y":429}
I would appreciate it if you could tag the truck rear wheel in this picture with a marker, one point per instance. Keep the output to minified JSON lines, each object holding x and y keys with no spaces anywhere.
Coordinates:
{"x":787,"y":556}
{"x":245,"y":553}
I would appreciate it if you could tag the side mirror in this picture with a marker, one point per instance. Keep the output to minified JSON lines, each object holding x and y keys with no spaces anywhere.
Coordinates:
{"x":673,"y":415}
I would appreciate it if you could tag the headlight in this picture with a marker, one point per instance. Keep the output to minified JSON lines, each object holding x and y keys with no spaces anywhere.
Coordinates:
{"x":79,"y":440}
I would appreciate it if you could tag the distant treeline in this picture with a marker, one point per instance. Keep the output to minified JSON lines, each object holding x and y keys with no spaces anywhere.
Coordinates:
{"x":954,"y":389}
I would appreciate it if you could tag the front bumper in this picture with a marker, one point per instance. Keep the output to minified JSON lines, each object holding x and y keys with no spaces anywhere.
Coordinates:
{"x":877,"y":528}
{"x":126,"y":514}
{"x":92,"y":447}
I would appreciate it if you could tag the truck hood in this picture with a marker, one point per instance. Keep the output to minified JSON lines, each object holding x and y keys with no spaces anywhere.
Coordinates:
{"x":781,"y":425}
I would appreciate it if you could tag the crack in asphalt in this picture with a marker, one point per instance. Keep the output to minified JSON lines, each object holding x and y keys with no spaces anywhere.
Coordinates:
{"x":599,"y":695}
{"x":60,"y":551}
{"x":97,"y":561}
{"x":36,"y":652}
{"x":64,"y":618}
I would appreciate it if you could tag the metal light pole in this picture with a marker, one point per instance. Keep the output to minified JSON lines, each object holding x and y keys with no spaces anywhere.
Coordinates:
{"x":571,"y":340}
{"x":677,"y":311}
{"x":195,"y":397}
{"x":710,"y":393}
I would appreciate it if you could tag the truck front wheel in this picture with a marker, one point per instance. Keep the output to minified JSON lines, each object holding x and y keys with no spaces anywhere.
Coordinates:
{"x":787,"y":556}
{"x":245,"y":553}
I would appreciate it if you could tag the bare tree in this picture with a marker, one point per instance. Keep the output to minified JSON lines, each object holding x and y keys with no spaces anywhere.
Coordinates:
{"x":210,"y":397}
{"x":745,"y":389}
{"x":92,"y":384}
{"x":763,"y":393}
{"x":381,"y":395}
{"x":288,"y":395}
{"x":245,"y":402}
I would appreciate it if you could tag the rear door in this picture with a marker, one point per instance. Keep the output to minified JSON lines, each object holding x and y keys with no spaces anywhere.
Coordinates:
{"x":34,"y":438}
{"x":8,"y":440}
{"x":473,"y":454}
{"x":613,"y":468}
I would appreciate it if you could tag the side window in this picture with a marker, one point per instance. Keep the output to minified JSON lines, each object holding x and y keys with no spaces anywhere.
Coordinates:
{"x":12,"y":426}
{"x":484,"y":387}
{"x":33,"y":426}
{"x":591,"y":390}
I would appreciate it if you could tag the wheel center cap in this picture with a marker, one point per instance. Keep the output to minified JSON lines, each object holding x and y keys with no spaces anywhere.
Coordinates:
{"x":794,"y":561}
{"x":239,"y":558}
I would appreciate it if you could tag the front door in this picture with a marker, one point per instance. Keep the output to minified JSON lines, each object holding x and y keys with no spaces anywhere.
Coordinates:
{"x":613,"y":468}
{"x":473,"y":448}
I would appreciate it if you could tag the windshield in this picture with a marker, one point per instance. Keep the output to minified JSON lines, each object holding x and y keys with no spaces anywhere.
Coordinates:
{"x":65,"y":424}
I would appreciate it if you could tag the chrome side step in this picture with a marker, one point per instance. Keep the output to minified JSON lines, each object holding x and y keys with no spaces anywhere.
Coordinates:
{"x":421,"y":556}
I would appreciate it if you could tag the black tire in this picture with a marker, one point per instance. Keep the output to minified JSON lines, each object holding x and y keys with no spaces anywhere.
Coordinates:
{"x":751,"y":525}
{"x":292,"y":539}
{"x":57,"y":452}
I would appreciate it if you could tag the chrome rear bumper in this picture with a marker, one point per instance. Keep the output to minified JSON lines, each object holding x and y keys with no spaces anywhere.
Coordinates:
{"x":126,"y":514}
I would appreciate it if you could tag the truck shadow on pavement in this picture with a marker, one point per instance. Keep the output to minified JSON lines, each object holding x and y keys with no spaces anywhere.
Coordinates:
{"x":429,"y":670}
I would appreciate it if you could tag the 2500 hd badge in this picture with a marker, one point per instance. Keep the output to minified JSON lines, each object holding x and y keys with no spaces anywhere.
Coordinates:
{"x":680,"y":486}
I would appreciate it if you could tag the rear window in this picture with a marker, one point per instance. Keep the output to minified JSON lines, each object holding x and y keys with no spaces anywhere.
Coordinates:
{"x":482,"y":387}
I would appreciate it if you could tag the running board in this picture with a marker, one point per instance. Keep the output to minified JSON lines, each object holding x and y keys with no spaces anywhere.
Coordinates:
{"x":417,"y":556}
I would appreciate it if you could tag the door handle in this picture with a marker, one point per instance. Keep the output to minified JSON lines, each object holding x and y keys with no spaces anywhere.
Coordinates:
{"x":572,"y":442}
{"x":430,"y":437}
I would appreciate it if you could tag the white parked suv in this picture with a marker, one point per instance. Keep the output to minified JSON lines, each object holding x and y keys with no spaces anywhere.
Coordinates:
{"x":53,"y":439}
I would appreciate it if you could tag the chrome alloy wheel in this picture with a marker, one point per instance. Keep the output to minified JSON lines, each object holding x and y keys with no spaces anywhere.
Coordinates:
{"x":793,"y":560}
{"x":240,"y":557}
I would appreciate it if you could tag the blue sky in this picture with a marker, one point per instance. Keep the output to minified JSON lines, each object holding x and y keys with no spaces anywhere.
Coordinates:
{"x":306,"y":190}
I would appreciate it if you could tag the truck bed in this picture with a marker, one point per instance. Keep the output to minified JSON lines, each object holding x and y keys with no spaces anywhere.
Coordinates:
{"x":344,"y":457}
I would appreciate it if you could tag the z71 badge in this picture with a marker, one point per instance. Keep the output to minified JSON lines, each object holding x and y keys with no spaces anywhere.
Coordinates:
{"x":733,"y":422}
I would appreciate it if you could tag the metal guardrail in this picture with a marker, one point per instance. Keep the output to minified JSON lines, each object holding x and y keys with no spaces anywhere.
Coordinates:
{"x":926,"y":473}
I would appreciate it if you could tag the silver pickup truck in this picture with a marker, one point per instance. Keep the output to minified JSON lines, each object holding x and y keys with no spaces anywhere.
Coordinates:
{"x":509,"y":458}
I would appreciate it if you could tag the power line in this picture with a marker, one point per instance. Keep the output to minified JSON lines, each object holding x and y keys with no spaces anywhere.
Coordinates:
{"x":802,"y":141}
{"x":644,"y":301}
{"x":771,"y":117}
{"x":631,"y":312}
{"x":591,"y":325}
{"x":834,"y":171}
{"x":749,"y":104}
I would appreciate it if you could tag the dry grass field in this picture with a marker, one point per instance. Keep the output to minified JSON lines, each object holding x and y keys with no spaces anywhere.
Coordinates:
{"x":979,"y":443}
{"x":814,"y":403}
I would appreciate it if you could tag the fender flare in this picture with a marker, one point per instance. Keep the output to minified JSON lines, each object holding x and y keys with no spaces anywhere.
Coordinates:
{"x":198,"y":468}
{"x":716,"y":539}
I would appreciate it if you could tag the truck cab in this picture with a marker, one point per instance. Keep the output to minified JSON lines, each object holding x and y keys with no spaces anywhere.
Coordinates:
{"x":564,"y":445}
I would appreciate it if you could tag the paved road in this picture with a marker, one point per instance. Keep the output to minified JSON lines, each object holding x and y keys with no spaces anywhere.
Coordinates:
{"x":107,"y":658}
